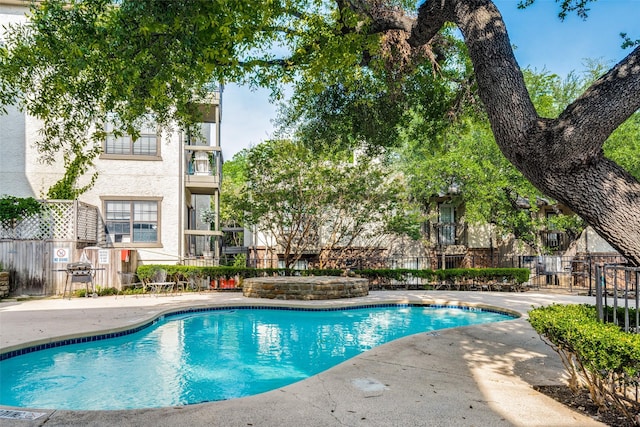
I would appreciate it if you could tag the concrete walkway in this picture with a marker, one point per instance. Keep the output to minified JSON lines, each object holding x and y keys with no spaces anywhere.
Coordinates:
{"x":471,"y":376}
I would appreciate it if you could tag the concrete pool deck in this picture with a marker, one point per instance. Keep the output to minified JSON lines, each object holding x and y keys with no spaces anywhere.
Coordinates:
{"x":471,"y":376}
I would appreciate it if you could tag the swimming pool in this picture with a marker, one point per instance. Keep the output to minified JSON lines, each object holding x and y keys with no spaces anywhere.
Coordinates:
{"x":192,"y":357}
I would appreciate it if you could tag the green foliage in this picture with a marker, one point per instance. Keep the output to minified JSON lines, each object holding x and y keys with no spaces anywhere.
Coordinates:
{"x":596,"y":355}
{"x":387,"y":99}
{"x":464,"y":156}
{"x":208,"y":216}
{"x":180,"y":272}
{"x":99,"y":291}
{"x":306,"y":199}
{"x":75,"y":167}
{"x":75,"y":62}
{"x":434,"y":152}
{"x":15,"y":209}
{"x":628,"y":42}
{"x":240,"y":260}
{"x":623,"y":145}
{"x":452,"y":275}
{"x":233,"y":196}
{"x":580,"y":7}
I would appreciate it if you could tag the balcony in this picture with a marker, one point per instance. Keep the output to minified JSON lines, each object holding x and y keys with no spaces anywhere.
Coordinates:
{"x":201,"y":170}
{"x":202,"y":243}
{"x":209,"y":104}
{"x":450,"y":234}
{"x":555,"y":240}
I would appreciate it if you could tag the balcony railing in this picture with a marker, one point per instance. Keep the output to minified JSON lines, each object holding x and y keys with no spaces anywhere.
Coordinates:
{"x":450,"y":233}
{"x":555,"y":240}
{"x":202,"y":170}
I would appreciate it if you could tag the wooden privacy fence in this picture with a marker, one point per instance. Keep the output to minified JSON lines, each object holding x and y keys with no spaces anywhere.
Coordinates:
{"x":38,"y":267}
{"x":37,"y":249}
{"x":30,"y":266}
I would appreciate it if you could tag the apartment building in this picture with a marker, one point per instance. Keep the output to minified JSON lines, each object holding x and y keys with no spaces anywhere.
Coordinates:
{"x":150,"y":194}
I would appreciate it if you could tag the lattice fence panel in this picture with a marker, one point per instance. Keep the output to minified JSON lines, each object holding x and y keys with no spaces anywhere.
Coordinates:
{"x":61,"y":217}
{"x":58,"y":220}
{"x":35,"y":227}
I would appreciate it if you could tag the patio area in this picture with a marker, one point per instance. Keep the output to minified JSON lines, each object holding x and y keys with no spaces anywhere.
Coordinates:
{"x":472,"y":376}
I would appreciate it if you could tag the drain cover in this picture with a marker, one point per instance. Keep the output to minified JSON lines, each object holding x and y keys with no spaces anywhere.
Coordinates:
{"x":20,"y":415}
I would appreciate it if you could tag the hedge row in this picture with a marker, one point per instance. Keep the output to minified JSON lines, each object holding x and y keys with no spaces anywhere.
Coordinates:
{"x":454,"y":275}
{"x":599,"y":356}
{"x":179,"y":272}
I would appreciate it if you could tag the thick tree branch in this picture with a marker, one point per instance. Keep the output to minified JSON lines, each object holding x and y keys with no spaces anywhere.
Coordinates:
{"x":603,"y":107}
{"x":562,"y":157}
{"x":382,"y":18}
{"x":502,"y":87}
{"x":432,"y":15}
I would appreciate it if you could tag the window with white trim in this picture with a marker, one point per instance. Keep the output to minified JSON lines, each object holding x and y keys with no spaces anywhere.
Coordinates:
{"x":146,"y":144}
{"x":132,"y":221}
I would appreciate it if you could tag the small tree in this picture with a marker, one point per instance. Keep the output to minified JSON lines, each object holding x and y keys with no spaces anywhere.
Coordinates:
{"x":325,"y":204}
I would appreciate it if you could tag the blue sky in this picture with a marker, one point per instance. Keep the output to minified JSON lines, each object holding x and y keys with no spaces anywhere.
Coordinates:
{"x":542,"y":42}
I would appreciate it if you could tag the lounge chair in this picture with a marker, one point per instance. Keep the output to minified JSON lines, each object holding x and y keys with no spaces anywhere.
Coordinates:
{"x":159,"y":284}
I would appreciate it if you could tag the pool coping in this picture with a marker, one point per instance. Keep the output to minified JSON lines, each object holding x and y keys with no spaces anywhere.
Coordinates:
{"x":472,"y":375}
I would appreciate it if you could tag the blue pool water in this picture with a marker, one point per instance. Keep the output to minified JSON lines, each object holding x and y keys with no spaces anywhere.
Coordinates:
{"x":212,"y":355}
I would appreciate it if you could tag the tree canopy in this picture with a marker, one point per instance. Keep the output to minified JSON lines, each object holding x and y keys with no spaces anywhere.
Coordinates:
{"x":327,"y":203}
{"x":76,"y":61}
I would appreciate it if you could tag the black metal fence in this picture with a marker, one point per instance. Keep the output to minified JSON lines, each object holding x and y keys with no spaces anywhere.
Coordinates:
{"x":617,"y":286}
{"x":574,"y":274}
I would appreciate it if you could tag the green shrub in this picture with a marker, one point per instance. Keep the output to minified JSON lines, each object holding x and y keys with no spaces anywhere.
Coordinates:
{"x":15,"y":209}
{"x":451,"y":275}
{"x":598,"y":356}
{"x":100,"y":291}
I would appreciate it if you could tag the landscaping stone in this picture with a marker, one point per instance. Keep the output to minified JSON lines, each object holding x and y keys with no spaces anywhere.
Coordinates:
{"x":305,"y":288}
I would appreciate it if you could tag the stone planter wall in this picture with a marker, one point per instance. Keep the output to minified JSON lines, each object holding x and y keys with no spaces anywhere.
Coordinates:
{"x":4,"y":284}
{"x":305,"y":288}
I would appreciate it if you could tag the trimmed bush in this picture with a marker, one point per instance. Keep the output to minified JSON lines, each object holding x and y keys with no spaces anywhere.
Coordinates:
{"x":383,"y":276}
{"x":451,"y":275}
{"x":598,"y":356}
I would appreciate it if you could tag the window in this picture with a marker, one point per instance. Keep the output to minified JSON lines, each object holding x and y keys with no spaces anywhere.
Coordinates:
{"x":447,"y":226}
{"x":145,"y":145}
{"x":132,"y":221}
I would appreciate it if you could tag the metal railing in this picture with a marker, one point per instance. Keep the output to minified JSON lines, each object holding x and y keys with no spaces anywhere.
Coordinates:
{"x":450,"y":233}
{"x":555,"y":240}
{"x":616,"y":285}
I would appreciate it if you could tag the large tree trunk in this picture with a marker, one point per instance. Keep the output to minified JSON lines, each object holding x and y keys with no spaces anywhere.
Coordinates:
{"x":562,"y":157}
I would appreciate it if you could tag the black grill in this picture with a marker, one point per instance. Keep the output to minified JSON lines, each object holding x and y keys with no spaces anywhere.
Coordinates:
{"x":79,"y":271}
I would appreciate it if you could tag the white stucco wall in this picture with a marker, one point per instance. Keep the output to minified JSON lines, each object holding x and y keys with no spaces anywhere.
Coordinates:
{"x":147,"y":178}
{"x":12,"y":128}
{"x":23,"y":175}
